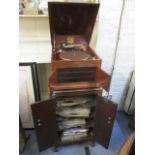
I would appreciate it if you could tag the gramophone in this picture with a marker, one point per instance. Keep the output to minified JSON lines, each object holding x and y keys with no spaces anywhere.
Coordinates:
{"x":76,"y":81}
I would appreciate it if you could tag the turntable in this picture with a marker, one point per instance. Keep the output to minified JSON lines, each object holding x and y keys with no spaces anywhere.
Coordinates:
{"x":71,"y":51}
{"x":74,"y":55}
{"x":71,"y":31}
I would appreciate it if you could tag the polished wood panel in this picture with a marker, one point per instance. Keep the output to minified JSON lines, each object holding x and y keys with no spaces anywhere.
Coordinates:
{"x":72,"y":19}
{"x":102,"y":80}
{"x":76,"y":92}
{"x":104,"y":120}
{"x":68,"y":64}
{"x":76,"y":74}
{"x":128,"y":147}
{"x":44,"y":116}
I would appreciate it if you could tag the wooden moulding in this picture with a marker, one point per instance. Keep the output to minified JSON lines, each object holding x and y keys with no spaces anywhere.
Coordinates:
{"x":72,"y":19}
{"x":71,"y":64}
{"x":101,"y":80}
{"x":77,"y":92}
{"x":94,"y":62}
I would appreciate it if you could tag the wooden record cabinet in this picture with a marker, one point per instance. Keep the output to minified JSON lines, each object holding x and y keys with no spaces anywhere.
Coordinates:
{"x":76,"y":84}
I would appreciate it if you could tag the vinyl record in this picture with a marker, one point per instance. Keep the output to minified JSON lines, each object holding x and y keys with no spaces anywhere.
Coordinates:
{"x":74,"y":55}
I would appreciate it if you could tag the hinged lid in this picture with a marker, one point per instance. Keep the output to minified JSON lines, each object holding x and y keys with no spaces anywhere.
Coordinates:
{"x":72,"y":19}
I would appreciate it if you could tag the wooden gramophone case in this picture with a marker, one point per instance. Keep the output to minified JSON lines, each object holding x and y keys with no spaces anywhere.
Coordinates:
{"x":76,"y":77}
{"x":76,"y":21}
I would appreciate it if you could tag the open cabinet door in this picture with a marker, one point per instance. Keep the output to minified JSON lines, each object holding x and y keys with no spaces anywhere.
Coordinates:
{"x":104,"y":120}
{"x":44,"y":118}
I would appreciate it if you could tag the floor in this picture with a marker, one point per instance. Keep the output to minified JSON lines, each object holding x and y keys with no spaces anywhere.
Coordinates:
{"x":120,"y":132}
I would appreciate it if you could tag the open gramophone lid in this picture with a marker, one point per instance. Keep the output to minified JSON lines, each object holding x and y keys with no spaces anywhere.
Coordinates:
{"x":74,"y":55}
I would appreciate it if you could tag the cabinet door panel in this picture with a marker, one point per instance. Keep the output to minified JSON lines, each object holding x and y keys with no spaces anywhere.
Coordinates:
{"x":79,"y":78}
{"x":104,"y":120}
{"x":44,"y":117}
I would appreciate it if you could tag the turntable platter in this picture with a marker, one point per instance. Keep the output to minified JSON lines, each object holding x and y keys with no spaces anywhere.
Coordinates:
{"x":74,"y":55}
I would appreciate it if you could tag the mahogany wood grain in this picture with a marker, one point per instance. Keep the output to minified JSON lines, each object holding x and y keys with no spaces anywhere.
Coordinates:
{"x":76,"y":20}
{"x":68,"y":64}
{"x":44,"y":116}
{"x":72,"y":19}
{"x":77,"y":92}
{"x":102,"y":80}
{"x":104,"y":120}
{"x":70,"y":78}
{"x":94,"y":62}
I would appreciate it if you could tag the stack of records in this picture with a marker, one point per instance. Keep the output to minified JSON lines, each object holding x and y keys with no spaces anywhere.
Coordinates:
{"x":71,"y":123}
{"x":74,"y":112}
{"x":72,"y":101}
{"x":74,"y":134}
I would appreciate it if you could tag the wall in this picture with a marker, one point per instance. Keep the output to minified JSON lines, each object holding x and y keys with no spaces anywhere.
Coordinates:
{"x":35,"y":41}
{"x":107,"y":34}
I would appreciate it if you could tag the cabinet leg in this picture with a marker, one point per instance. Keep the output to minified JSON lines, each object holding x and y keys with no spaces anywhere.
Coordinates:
{"x":92,"y":143}
{"x":87,"y":151}
{"x":55,"y":148}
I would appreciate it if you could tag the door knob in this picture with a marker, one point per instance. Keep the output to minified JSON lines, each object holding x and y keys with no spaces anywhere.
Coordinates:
{"x":109,"y":122}
{"x":109,"y":118}
{"x":39,"y":124}
{"x":38,"y":120}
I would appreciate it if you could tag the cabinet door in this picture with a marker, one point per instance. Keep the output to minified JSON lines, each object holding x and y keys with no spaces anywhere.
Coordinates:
{"x":44,"y":116}
{"x":104,"y":120}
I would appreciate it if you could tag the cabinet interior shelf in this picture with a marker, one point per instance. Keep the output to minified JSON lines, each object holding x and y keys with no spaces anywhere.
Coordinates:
{"x":87,"y":126}
{"x":88,"y":138}
{"x":33,"y":16}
